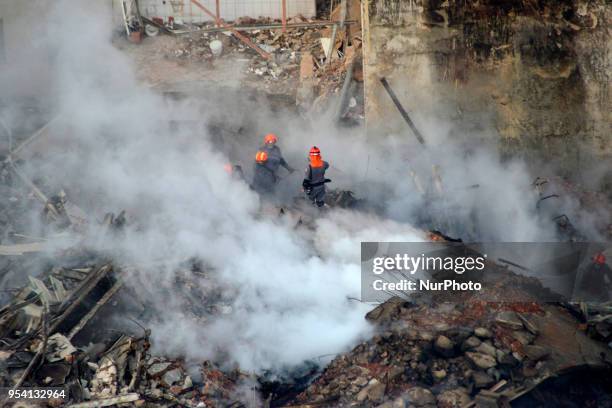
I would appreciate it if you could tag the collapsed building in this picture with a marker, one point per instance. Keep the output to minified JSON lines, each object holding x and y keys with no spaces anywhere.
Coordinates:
{"x":73,"y":316}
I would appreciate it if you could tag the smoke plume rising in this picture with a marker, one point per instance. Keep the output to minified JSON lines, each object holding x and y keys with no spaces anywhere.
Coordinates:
{"x":288,"y":287}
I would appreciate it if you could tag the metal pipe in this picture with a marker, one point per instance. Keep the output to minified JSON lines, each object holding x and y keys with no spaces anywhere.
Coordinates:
{"x":402,"y":111}
{"x":284,"y":19}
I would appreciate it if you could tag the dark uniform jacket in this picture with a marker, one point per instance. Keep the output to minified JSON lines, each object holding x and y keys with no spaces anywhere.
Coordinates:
{"x":265,"y":175}
{"x":275,"y":158}
{"x":314,"y":183}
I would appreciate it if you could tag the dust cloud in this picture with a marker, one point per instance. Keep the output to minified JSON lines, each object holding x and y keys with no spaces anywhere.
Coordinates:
{"x":289,"y":291}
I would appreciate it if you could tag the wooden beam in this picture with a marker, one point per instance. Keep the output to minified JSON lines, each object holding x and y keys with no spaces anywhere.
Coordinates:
{"x":76,"y":297}
{"x":402,"y":111}
{"x":37,"y":192}
{"x":103,"y":300}
{"x":217,"y":11}
{"x":107,"y":402}
{"x":20,"y":249}
{"x":13,"y":154}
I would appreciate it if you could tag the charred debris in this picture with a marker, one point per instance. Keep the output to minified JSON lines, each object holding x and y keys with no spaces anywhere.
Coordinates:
{"x":317,"y":61}
{"x":452,"y":350}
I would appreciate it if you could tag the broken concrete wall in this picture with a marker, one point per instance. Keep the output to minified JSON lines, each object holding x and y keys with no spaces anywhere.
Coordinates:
{"x":530,"y":76}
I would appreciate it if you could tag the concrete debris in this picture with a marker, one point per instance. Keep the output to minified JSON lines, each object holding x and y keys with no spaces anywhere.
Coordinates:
{"x":536,"y":353}
{"x":59,"y":348}
{"x":459,"y":354}
{"x":483,"y":332}
{"x":297,"y":63}
{"x":486,"y":348}
{"x":424,"y":354}
{"x":37,"y":351}
{"x":455,"y":351}
{"x":173,"y":377}
{"x":481,"y":360}
{"x":439,"y":375}
{"x":158,"y":368}
{"x":485,"y":400}
{"x":482,"y":379}
{"x":444,"y":346}
{"x":509,"y":319}
{"x":457,"y":397}
{"x":420,"y":397}
{"x":374,"y":391}
{"x":470,"y":343}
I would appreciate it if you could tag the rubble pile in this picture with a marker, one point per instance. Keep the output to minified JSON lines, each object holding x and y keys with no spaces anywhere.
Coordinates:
{"x":285,"y":48}
{"x":462,"y":353}
{"x":567,"y":205}
{"x":449,"y":349}
{"x":590,"y":204}
{"x":52,"y":325}
{"x":300,"y":57}
{"x":58,"y":328}
{"x":596,"y":319}
{"x":38,"y":330}
{"x":343,"y":199}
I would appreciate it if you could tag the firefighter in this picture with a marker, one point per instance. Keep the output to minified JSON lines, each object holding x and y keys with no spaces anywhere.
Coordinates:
{"x":314,"y":178}
{"x":275,"y":157}
{"x":267,"y":162}
{"x":597,"y":280}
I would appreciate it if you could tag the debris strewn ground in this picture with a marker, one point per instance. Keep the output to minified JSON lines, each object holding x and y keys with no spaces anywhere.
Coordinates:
{"x":298,"y":60}
{"x":461,"y":352}
{"x":60,"y":298}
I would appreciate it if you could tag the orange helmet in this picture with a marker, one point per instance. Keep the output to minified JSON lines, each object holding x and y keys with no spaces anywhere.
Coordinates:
{"x":261,"y":157}
{"x":599,"y":259}
{"x":270,"y":138}
{"x":315,"y":157}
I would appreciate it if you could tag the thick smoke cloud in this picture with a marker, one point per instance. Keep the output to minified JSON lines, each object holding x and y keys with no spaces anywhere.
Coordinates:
{"x":288,"y":288}
{"x":288,"y":301}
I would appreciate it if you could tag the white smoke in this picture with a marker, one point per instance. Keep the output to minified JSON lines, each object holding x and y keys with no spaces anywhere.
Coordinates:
{"x":289,"y":287}
{"x":289,"y":302}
